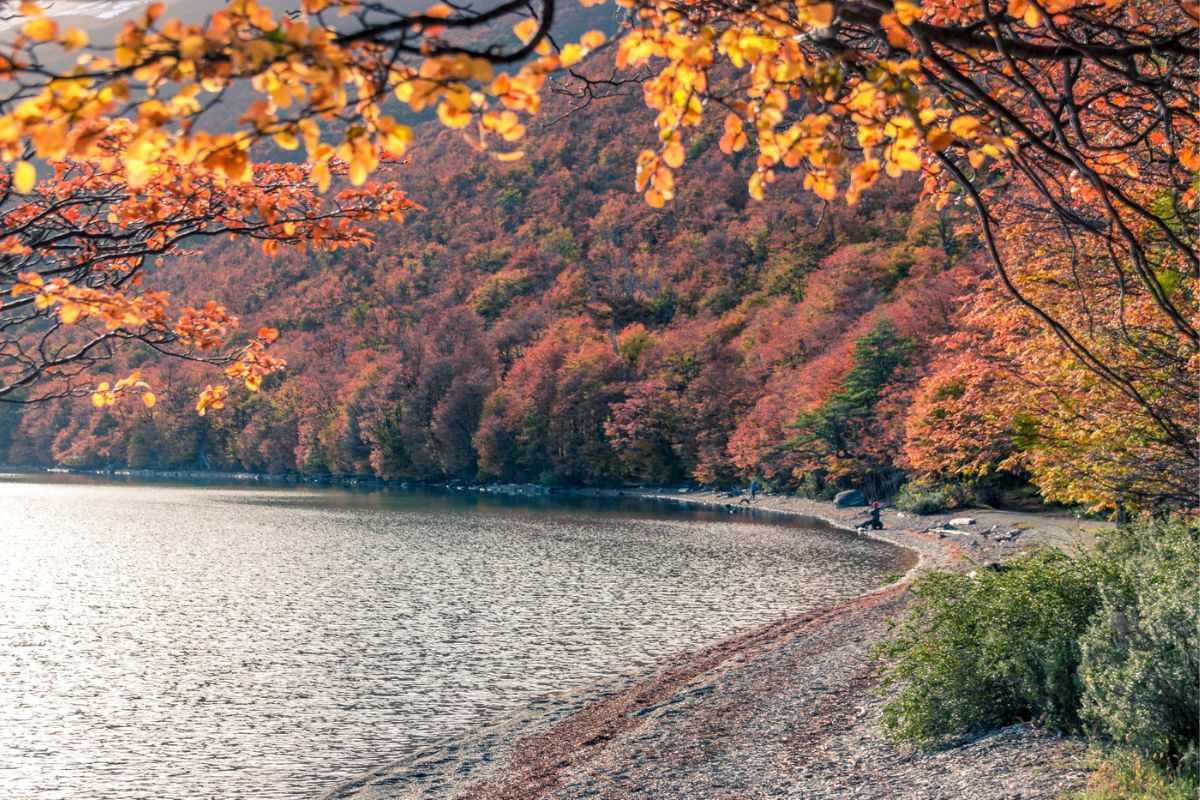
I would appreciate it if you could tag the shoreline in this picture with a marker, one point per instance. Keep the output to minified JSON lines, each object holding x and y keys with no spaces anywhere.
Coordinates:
{"x":787,"y":709}
{"x":927,"y":554}
{"x":790,"y":708}
{"x":449,"y":769}
{"x":657,"y":735}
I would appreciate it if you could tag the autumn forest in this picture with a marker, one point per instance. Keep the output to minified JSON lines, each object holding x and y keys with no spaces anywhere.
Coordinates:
{"x":816,"y":306}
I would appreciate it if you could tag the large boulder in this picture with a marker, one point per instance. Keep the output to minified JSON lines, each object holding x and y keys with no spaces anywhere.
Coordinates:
{"x":850,"y":497}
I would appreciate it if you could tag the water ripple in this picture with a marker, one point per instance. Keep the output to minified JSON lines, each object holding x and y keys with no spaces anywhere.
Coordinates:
{"x":185,"y":642}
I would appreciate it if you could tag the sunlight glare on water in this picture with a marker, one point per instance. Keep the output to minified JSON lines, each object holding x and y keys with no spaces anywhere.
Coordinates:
{"x":169,"y":641}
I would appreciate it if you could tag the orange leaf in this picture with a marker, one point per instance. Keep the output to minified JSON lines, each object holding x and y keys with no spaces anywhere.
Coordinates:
{"x":939,"y":139}
{"x":592,"y":39}
{"x":526,"y":29}
{"x":673,"y":154}
{"x":821,"y":14}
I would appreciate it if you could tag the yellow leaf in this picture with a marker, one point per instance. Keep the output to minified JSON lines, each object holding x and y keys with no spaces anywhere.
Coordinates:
{"x":756,"y":186}
{"x":939,"y":139}
{"x":24,"y":177}
{"x":192,"y":47}
{"x":571,"y":55}
{"x":866,"y":173}
{"x":452,"y":117}
{"x":965,"y":126}
{"x":149,"y":399}
{"x":396,"y":140}
{"x":654,"y":198}
{"x":74,"y":39}
{"x":906,"y":159}
{"x":98,"y":400}
{"x":69,"y":313}
{"x":515,"y":155}
{"x":907,"y":12}
{"x":321,"y":176}
{"x":40,"y":29}
{"x":821,"y":184}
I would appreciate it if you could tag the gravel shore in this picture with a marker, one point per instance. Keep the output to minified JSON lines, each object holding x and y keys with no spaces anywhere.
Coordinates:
{"x":791,"y":710}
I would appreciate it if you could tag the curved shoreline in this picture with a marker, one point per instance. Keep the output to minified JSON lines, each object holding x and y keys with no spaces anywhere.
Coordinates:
{"x":539,"y":747}
{"x":929,"y":553}
{"x":787,"y":709}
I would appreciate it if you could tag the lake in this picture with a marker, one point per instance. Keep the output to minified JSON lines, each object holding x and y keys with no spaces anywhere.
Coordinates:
{"x":181,"y":641}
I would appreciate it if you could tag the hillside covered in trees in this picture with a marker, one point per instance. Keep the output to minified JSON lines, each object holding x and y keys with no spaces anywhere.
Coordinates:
{"x":537,"y":321}
{"x":556,"y":329}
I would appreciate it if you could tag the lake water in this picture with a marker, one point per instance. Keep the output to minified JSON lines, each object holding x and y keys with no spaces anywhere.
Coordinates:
{"x":179,"y":641}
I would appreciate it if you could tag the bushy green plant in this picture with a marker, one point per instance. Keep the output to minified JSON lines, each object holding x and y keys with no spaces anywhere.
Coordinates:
{"x":977,"y":652}
{"x":917,"y":498}
{"x":1141,"y":652}
{"x":1128,"y":776}
{"x":920,"y":500}
{"x":1108,"y":641}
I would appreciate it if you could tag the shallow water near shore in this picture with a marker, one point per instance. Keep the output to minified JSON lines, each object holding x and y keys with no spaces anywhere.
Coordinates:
{"x":183,"y":641}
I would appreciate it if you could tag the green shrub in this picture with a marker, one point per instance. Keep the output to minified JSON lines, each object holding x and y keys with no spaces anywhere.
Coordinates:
{"x":921,"y":499}
{"x":1141,"y":653}
{"x":1128,"y":776}
{"x":979,"y":652}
